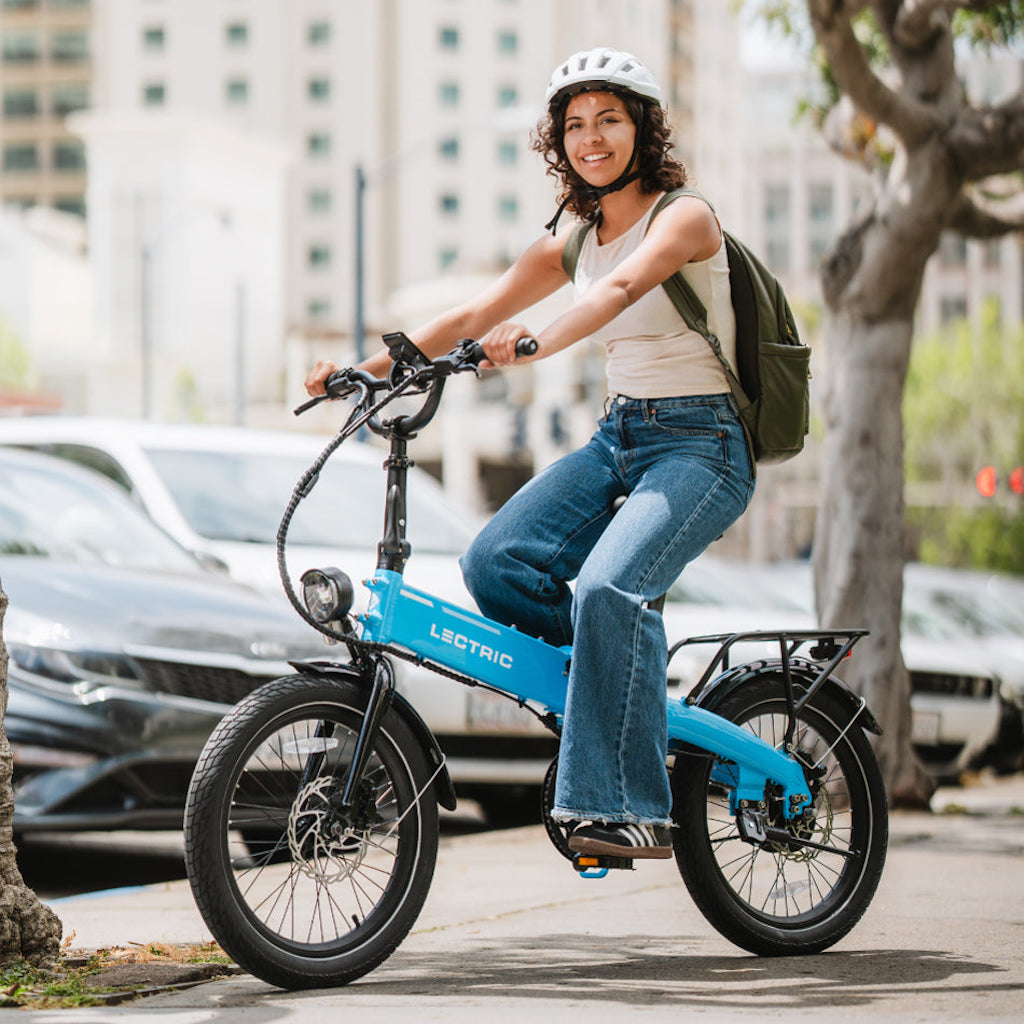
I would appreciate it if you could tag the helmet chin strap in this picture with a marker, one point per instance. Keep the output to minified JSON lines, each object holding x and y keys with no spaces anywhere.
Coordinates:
{"x":598,"y":193}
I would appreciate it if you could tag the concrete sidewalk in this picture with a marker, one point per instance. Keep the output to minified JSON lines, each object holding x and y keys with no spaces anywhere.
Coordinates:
{"x":509,"y":930}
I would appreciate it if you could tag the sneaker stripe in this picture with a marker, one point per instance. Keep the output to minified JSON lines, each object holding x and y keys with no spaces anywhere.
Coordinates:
{"x":638,"y":835}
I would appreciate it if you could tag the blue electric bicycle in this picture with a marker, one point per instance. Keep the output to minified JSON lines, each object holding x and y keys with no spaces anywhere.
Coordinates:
{"x":311,"y":826}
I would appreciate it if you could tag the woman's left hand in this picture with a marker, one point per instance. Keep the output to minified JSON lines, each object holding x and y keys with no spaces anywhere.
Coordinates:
{"x":500,"y":343}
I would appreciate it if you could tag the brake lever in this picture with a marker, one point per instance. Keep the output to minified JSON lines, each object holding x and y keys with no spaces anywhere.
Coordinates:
{"x":337,"y":386}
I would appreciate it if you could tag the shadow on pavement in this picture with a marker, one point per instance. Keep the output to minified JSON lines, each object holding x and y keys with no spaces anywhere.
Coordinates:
{"x":638,"y":971}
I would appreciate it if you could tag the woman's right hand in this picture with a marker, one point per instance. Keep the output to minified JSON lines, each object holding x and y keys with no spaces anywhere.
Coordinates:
{"x":318,"y":375}
{"x":500,"y":344}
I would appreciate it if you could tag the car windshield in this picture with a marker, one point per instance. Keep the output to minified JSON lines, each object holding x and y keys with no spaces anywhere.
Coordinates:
{"x":53,"y":513}
{"x":241,"y":496}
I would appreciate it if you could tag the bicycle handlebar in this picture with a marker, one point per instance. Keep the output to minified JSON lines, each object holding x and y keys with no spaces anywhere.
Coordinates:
{"x":410,"y":371}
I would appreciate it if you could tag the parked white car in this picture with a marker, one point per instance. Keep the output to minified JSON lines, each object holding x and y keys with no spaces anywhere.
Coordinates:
{"x":989,"y":609}
{"x":221,"y":491}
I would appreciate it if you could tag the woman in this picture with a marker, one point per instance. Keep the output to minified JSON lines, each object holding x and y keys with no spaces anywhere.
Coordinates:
{"x":670,"y":443}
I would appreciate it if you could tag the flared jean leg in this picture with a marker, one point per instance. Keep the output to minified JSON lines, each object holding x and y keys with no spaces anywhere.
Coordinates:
{"x":684,"y":467}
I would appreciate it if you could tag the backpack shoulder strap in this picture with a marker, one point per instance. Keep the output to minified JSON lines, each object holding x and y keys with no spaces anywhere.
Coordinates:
{"x":679,"y":290}
{"x":573,"y":247}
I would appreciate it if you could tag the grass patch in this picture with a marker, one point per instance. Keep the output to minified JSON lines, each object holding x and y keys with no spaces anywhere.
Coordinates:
{"x":91,"y":979}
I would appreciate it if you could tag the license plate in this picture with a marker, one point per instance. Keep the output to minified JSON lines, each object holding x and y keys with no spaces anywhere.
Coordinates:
{"x":487,"y":711}
{"x":924,"y":728}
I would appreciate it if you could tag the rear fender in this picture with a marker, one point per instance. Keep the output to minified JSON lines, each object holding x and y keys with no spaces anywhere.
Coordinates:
{"x":443,"y":787}
{"x":803,"y":674}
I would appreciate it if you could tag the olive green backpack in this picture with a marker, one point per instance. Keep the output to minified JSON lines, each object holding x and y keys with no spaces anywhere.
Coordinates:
{"x":770,"y":383}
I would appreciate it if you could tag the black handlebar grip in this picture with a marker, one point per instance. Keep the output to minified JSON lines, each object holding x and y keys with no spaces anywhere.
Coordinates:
{"x":524,"y":347}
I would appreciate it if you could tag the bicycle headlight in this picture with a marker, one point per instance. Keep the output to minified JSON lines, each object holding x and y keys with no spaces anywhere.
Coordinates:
{"x":327,"y":594}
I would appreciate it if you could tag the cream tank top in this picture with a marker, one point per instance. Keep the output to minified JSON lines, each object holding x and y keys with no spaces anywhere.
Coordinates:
{"x":651,"y":351}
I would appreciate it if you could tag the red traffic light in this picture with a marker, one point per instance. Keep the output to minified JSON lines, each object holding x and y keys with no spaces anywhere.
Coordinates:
{"x":986,"y":481}
{"x":1017,"y":480}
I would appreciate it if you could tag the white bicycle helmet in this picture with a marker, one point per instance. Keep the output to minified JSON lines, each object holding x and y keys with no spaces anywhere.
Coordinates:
{"x":602,"y":66}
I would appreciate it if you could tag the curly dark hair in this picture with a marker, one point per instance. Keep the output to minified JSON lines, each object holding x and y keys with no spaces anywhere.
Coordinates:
{"x":659,"y":171}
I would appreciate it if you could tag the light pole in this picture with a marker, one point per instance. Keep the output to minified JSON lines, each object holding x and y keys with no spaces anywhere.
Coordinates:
{"x":359,"y":311}
{"x":148,"y":252}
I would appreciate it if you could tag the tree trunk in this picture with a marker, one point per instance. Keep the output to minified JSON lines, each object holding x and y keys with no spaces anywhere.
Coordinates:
{"x":872,"y":282}
{"x":28,"y":928}
{"x":859,"y":538}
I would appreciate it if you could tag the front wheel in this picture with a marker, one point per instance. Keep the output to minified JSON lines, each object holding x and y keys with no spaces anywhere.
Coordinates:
{"x":778,"y":897}
{"x":300,"y":893}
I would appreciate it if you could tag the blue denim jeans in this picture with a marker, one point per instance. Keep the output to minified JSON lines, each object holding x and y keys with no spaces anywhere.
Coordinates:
{"x":683,"y":466}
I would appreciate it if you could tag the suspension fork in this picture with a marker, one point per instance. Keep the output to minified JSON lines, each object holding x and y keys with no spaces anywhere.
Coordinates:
{"x":376,"y":708}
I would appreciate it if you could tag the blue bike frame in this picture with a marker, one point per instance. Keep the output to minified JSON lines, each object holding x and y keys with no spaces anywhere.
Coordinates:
{"x":537,"y":673}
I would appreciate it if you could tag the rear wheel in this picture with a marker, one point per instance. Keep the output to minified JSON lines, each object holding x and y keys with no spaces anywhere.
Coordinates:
{"x":299,"y":893}
{"x":780,"y":897}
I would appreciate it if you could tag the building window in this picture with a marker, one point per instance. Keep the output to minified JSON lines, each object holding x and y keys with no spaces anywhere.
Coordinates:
{"x":319,"y":90}
{"x":21,"y":103}
{"x":154,"y":38}
{"x":446,"y":257}
{"x":236,"y":35}
{"x":953,"y":249}
{"x":21,"y":156}
{"x":318,"y":144}
{"x":319,"y":33}
{"x":449,"y":204}
{"x":319,"y":256}
{"x":20,"y":47}
{"x":318,"y":200}
{"x":154,"y":94}
{"x":448,"y":37}
{"x":508,"y":43}
{"x":20,"y":5}
{"x":69,"y":3}
{"x":952,"y":308}
{"x":820,"y":213}
{"x":69,"y":156}
{"x":508,"y":95}
{"x":71,"y":204}
{"x":69,"y":47}
{"x":449,"y":94}
{"x":508,"y":208}
{"x":66,"y":99}
{"x":508,"y":153}
{"x":319,"y":310}
{"x":776,"y":226}
{"x":448,"y":149}
{"x":236,"y":91}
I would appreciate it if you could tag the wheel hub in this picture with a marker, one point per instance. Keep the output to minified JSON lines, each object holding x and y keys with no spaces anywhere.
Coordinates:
{"x":323,"y":845}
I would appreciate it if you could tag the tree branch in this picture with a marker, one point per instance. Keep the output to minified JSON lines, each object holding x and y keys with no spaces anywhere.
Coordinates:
{"x":978,"y":216}
{"x":988,"y":141}
{"x":913,"y":122}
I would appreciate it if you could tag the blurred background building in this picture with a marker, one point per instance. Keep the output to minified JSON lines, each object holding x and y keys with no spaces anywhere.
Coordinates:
{"x":201,"y":197}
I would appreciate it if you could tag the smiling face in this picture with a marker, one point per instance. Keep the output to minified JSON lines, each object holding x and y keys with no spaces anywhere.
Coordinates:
{"x":599,"y":136}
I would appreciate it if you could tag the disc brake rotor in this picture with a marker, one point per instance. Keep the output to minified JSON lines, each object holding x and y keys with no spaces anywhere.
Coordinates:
{"x":321,"y":846}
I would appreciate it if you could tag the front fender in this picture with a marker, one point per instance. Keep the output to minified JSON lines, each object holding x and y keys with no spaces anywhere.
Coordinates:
{"x":443,"y":787}
{"x":803,"y":674}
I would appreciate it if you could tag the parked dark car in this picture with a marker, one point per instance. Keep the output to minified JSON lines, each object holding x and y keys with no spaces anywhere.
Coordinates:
{"x":124,"y":651}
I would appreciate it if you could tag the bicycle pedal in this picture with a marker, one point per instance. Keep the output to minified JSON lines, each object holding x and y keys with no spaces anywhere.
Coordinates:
{"x":589,"y":866}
